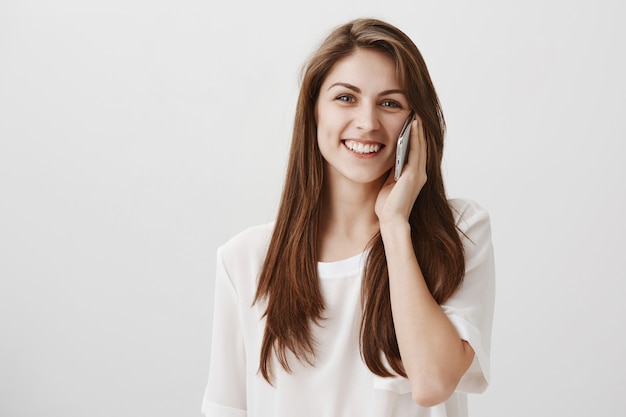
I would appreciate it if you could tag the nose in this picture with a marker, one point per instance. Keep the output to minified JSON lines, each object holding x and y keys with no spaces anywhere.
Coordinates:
{"x":366,"y":118}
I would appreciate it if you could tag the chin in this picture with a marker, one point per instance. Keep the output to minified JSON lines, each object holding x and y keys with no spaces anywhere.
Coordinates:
{"x":368,"y":178}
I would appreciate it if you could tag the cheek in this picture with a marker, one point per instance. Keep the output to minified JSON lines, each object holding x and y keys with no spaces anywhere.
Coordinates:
{"x":323,"y":123}
{"x":395,"y":125}
{"x":329,"y":123}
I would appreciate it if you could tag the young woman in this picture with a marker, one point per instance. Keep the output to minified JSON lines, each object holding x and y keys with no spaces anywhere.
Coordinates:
{"x":366,"y":296}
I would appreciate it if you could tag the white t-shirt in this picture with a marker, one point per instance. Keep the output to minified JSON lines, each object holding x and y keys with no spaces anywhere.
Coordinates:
{"x":340,"y":384}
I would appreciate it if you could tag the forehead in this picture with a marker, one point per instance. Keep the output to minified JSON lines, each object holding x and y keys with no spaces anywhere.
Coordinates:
{"x":368,"y":69}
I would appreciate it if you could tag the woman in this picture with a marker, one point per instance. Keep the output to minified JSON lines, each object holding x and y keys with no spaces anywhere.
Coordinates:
{"x":367,"y":296}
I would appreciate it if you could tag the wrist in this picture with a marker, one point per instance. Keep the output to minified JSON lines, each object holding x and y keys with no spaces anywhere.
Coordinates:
{"x":394,"y":228}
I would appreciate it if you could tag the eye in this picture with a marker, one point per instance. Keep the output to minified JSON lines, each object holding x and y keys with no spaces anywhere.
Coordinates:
{"x":345,"y":97}
{"x":391,"y":104}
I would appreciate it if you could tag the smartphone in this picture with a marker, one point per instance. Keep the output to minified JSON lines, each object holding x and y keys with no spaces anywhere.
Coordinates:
{"x":402,"y":148}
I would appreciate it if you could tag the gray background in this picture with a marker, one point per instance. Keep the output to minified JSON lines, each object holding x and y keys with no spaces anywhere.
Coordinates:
{"x":137,"y":136}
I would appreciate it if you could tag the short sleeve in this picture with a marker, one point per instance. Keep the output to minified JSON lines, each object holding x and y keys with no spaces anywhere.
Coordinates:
{"x":470,"y":308}
{"x":225,"y":394}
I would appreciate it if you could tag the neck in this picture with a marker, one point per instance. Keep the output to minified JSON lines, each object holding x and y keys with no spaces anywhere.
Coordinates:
{"x":348,"y":221}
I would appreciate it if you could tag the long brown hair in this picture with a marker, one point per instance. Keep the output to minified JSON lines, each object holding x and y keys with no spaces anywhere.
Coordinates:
{"x":288,"y":280}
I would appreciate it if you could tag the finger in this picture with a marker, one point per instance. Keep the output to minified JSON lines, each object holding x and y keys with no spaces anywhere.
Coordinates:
{"x":417,"y":150}
{"x":423,"y":149}
{"x":414,"y":141}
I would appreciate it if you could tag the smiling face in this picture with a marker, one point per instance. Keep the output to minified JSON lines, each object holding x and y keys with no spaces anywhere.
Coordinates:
{"x":360,"y":111}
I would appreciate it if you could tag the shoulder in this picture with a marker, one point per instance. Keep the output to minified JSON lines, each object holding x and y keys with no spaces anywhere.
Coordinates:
{"x":246,"y":248}
{"x":464,"y":209}
{"x":468,"y":213}
{"x":251,"y":237}
{"x":474,"y":225}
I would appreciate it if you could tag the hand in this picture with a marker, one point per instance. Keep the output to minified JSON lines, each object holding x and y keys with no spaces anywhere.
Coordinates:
{"x":396,"y":198}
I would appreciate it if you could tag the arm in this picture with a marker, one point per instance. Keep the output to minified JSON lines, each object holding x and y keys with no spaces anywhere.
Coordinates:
{"x":433,"y":354}
{"x":225,"y":394}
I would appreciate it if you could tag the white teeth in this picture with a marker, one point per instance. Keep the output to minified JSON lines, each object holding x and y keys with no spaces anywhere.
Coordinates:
{"x":360,"y":148}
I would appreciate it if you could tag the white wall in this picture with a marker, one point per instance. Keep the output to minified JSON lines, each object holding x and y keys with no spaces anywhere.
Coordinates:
{"x":136,"y":136}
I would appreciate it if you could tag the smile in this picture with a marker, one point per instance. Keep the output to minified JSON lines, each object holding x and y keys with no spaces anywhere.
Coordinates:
{"x":360,"y":148}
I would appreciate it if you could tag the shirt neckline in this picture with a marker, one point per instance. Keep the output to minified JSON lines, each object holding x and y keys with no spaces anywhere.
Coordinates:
{"x":343,"y":266}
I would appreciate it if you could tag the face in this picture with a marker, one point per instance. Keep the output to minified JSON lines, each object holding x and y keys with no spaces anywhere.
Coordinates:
{"x":360,"y":111}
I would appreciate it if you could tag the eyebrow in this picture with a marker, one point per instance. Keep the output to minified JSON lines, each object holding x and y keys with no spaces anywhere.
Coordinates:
{"x":358,"y":90}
